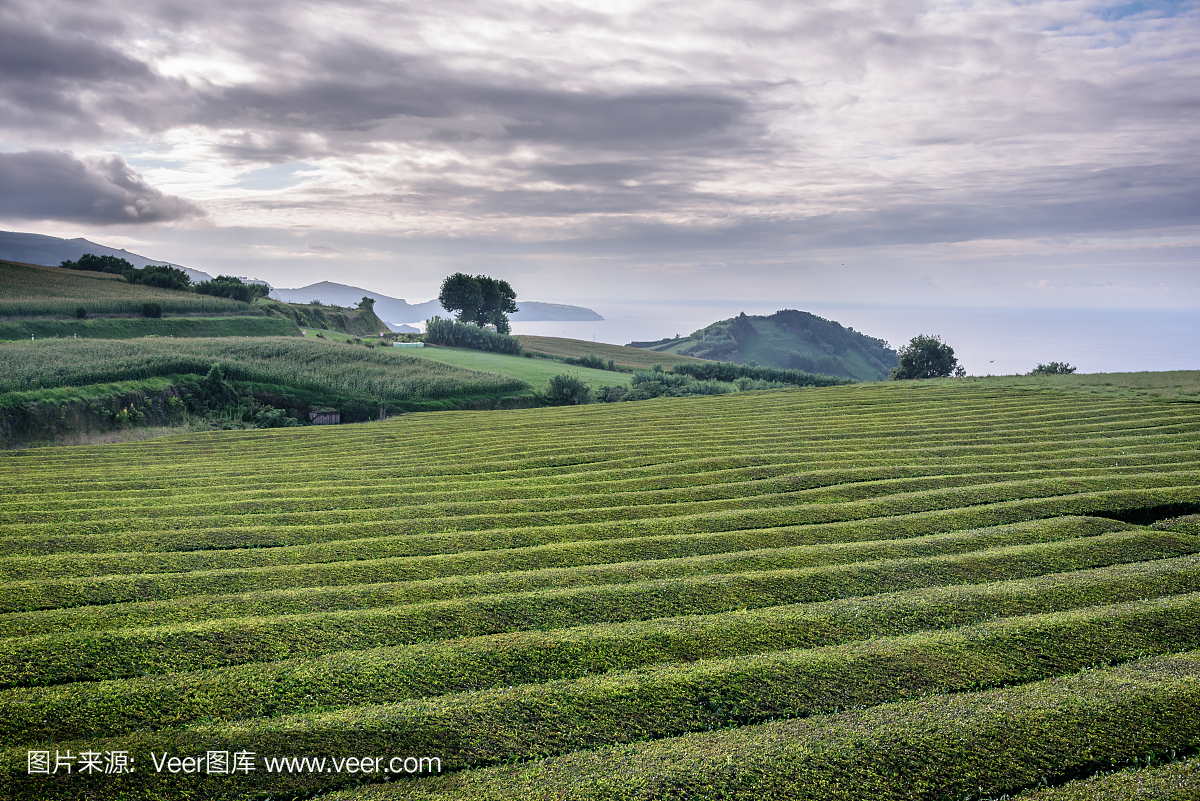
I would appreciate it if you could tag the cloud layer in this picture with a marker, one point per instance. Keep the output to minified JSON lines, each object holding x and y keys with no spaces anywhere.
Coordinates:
{"x":730,"y":126}
{"x":52,"y":185}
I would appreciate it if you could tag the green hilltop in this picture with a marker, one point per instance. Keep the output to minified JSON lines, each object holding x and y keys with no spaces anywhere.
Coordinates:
{"x":787,"y":339}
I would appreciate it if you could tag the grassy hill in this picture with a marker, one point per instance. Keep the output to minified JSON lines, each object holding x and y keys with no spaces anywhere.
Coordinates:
{"x":788,"y":339}
{"x":902,"y":590}
{"x":33,"y":291}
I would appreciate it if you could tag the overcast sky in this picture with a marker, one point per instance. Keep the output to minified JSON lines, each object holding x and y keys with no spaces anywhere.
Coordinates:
{"x":971,"y":153}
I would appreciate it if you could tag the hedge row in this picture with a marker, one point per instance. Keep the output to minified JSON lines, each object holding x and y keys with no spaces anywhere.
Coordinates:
{"x":958,"y":746}
{"x":823,"y":505}
{"x":203,"y":511}
{"x":94,"y":507}
{"x":1176,"y":781}
{"x":598,"y":469}
{"x":475,"y":729}
{"x":379,"y":675}
{"x":360,"y":585}
{"x":263,"y":547}
{"x":89,"y":656}
{"x":932,"y":441}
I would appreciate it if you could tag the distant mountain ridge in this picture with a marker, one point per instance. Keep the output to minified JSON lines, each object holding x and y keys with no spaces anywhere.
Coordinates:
{"x":397,"y":311}
{"x":52,"y":251}
{"x":787,"y":339}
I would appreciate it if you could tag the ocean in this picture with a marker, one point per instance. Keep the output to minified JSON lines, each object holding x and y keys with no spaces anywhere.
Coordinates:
{"x":987,"y":341}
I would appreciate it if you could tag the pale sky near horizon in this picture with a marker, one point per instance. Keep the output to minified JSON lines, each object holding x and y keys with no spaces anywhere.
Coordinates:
{"x":956,"y":153}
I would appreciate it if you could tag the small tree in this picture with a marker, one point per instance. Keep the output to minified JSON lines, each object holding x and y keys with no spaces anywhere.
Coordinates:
{"x":479,"y":299}
{"x":927,"y":357}
{"x":367,"y":304}
{"x":1053,"y":368}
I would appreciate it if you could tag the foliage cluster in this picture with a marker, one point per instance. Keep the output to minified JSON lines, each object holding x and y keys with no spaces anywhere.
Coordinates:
{"x":727,"y":371}
{"x":1053,"y":368}
{"x":927,"y":357}
{"x":688,"y":379}
{"x":594,"y":362}
{"x":156,"y":275}
{"x":479,"y":299}
{"x":455,"y":334}
{"x":567,"y":390}
{"x":225,"y":286}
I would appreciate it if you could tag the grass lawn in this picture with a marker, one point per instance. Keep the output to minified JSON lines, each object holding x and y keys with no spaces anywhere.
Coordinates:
{"x":536,"y":371}
{"x":621,"y":355}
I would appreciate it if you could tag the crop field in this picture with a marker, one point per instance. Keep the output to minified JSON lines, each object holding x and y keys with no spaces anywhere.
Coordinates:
{"x":131,"y":327}
{"x":292,"y":361}
{"x":535,"y":371}
{"x":28,"y":290}
{"x":941,"y":590}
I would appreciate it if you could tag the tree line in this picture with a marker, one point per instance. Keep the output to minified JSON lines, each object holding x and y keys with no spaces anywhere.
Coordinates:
{"x":167,"y":277}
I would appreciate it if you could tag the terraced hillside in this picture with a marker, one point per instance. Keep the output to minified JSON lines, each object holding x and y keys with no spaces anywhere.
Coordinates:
{"x":893,"y":591}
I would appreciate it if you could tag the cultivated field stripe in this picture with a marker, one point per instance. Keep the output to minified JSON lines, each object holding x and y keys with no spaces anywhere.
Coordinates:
{"x":33,"y":595}
{"x":954,"y":746}
{"x":347,"y":678}
{"x":88,"y":656}
{"x":477,"y":729}
{"x":359,"y":593}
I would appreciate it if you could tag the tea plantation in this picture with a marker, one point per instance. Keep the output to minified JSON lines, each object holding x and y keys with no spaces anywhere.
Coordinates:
{"x":942,"y":590}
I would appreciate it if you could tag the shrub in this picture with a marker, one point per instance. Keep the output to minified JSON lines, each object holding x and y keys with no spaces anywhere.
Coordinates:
{"x":729,"y":371}
{"x":225,"y":286}
{"x":567,"y":390}
{"x":453,"y":334}
{"x":1053,"y":368}
{"x":152,"y":310}
{"x":80,"y":313}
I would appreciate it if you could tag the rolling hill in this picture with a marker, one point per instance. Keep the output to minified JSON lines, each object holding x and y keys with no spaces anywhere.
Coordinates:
{"x":788,"y":339}
{"x":397,"y":311}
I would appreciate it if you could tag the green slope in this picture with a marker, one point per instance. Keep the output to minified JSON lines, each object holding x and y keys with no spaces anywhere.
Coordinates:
{"x":620,"y":355}
{"x":787,"y":339}
{"x":535,"y":371}
{"x":32,"y":291}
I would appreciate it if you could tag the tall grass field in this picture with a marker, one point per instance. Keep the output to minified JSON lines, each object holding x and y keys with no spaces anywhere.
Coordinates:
{"x":908,"y":590}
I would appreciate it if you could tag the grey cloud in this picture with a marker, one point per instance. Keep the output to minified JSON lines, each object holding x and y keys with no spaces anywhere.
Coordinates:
{"x":64,"y":85}
{"x":450,"y":107}
{"x":593,"y":173}
{"x":52,"y":185}
{"x":29,"y":54}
